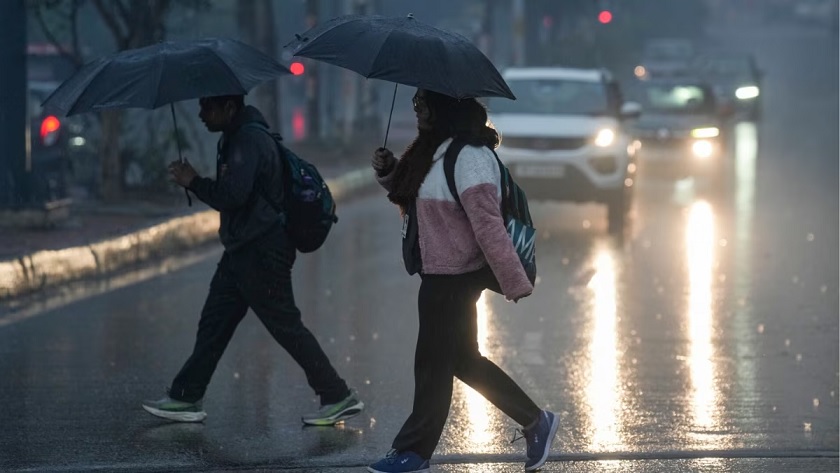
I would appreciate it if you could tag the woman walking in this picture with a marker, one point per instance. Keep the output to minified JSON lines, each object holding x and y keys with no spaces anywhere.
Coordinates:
{"x":462,"y":248}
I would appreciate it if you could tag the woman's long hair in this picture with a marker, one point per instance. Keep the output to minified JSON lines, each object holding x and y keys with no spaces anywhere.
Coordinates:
{"x":450,"y":118}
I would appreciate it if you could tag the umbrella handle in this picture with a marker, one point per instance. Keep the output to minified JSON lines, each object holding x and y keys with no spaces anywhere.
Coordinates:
{"x":178,"y":142}
{"x":394,"y":99}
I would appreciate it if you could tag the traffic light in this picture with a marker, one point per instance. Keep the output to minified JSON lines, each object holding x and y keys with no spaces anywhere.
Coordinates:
{"x":605,"y":17}
{"x":296,"y":68}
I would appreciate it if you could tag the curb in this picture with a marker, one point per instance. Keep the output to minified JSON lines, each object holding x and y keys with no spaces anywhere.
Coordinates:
{"x":43,"y":269}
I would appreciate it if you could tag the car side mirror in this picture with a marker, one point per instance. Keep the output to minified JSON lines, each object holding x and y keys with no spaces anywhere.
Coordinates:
{"x":631,"y":110}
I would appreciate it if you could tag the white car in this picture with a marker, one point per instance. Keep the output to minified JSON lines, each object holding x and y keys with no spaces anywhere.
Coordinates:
{"x":564,"y":138}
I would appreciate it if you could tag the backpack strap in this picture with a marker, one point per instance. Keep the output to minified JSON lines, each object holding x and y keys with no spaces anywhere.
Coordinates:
{"x":451,"y":157}
{"x":281,"y":154}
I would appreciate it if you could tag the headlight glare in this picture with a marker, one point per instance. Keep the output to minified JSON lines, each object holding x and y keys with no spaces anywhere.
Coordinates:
{"x":746,"y":93}
{"x":706,"y":132}
{"x":604,"y":138}
{"x":640,"y":71}
{"x":703,"y":149}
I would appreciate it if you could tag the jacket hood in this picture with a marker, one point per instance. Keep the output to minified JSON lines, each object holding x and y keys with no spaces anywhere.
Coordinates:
{"x":249,"y":114}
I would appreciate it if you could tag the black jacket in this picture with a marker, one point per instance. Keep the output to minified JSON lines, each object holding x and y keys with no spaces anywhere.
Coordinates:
{"x":248,"y":168}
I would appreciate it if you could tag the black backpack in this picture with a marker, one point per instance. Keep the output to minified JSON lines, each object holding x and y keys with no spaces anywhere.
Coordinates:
{"x":515,"y":210}
{"x":308,"y":205}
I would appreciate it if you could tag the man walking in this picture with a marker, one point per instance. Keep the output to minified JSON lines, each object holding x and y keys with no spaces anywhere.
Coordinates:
{"x":255,"y":269}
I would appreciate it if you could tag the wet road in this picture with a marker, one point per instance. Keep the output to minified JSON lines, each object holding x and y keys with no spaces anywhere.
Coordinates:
{"x":707,"y":340}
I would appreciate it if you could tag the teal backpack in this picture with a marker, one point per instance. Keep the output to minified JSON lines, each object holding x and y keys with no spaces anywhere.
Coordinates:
{"x":308,"y":205}
{"x":514,"y":207}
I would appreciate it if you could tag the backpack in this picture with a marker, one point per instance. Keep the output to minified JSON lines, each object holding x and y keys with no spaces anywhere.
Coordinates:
{"x":308,"y":205}
{"x":514,"y":205}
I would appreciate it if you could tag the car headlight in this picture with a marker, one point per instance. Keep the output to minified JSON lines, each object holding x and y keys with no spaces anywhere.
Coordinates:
{"x":604,"y":138}
{"x":640,"y":72}
{"x":706,"y":132}
{"x":703,"y":149}
{"x":746,"y":93}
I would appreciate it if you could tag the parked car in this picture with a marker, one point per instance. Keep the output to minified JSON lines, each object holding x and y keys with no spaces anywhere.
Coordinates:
{"x":682,"y":132}
{"x":736,"y":80}
{"x":564,"y":137}
{"x":665,"y":57}
{"x":819,"y":12}
{"x":54,"y":142}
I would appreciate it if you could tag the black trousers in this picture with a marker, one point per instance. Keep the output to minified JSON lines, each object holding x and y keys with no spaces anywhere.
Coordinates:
{"x":258,"y":276}
{"x":447,"y":346}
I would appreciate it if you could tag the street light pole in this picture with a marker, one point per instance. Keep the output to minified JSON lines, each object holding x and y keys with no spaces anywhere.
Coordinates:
{"x":313,"y":82}
{"x":518,"y":19}
{"x":13,"y":174}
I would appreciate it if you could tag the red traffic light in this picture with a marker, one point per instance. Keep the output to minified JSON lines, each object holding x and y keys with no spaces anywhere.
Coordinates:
{"x":605,"y":17}
{"x":296,"y":68}
{"x":49,"y":125}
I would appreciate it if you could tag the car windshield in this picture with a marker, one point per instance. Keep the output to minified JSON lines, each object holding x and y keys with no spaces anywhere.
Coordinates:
{"x":554,"y":96}
{"x":669,"y":51}
{"x":667,"y":98}
{"x":726,"y":67}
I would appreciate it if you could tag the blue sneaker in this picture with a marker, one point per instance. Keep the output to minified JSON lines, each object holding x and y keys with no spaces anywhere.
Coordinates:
{"x":405,"y":462}
{"x":539,"y":439}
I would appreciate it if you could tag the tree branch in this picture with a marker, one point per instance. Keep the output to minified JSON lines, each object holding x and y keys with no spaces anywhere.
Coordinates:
{"x":159,"y":12}
{"x":124,"y":12}
{"x":111,"y":22}
{"x":75,"y":56}
{"x":74,"y":31}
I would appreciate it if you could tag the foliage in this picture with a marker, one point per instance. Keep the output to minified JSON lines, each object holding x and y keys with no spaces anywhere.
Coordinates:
{"x":576,"y":38}
{"x":131,"y":24}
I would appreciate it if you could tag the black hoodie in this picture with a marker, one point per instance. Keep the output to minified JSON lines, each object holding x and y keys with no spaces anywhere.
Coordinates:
{"x":248,"y":168}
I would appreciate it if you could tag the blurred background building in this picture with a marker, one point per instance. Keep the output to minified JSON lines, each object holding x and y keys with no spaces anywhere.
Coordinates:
{"x":106,"y":155}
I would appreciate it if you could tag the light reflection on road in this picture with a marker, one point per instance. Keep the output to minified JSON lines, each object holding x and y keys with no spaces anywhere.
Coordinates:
{"x":604,"y":394}
{"x":700,"y":255}
{"x":480,"y":434}
{"x":746,"y":153}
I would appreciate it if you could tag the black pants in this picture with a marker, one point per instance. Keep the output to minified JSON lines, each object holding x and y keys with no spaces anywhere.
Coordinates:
{"x":258,"y":276}
{"x":447,"y":346}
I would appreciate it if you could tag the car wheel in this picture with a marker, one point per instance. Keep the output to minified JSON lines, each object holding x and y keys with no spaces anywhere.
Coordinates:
{"x":755,"y":112}
{"x":618,"y":210}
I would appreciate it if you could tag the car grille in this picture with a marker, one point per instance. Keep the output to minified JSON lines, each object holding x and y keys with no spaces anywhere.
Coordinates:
{"x":662,"y":134}
{"x":541,"y":143}
{"x":603,"y":164}
{"x":664,"y":142}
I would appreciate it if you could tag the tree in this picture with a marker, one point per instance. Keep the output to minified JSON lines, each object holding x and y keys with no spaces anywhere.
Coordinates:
{"x":131,"y":24}
{"x":256,"y":22}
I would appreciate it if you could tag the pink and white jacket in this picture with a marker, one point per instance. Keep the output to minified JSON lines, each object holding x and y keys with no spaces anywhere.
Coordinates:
{"x":457,"y":239}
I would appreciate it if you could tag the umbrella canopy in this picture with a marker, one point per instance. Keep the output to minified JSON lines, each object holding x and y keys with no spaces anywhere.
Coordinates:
{"x":162,"y":74}
{"x":405,"y":51}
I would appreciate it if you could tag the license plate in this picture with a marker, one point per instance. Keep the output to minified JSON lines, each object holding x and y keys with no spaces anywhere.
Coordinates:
{"x":541,"y":170}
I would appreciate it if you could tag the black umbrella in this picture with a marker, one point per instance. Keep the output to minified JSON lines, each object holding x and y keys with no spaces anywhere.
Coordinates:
{"x":405,"y":51}
{"x":162,"y":74}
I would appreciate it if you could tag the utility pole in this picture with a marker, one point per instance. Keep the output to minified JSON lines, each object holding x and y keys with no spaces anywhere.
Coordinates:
{"x":266,"y":41}
{"x":313,"y":83}
{"x":487,"y":38}
{"x":14,"y":188}
{"x":364,"y":100}
{"x":518,"y":32}
{"x":350,"y":83}
{"x":255,"y":19}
